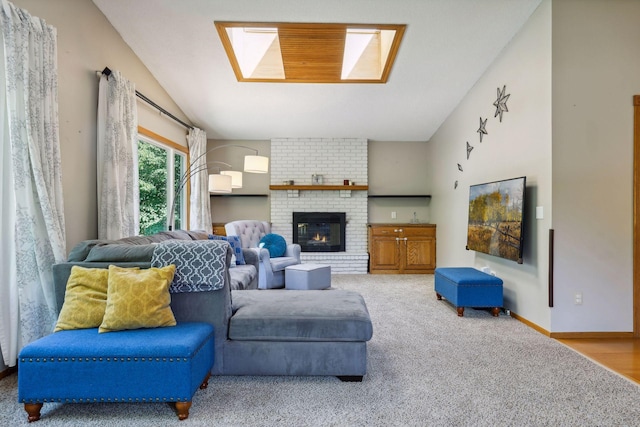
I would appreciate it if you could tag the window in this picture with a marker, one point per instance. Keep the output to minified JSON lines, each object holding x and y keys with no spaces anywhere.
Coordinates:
{"x":161,"y":164}
{"x":310,"y":52}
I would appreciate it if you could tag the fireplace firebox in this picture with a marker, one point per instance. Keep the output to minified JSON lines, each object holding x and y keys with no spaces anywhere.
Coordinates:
{"x":319,"y":231}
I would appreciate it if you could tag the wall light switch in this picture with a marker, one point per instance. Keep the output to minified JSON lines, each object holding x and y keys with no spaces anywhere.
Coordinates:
{"x":539,"y":212}
{"x":393,"y":215}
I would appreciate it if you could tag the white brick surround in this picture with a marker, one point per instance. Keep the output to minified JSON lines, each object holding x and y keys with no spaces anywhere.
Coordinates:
{"x":336,"y":159}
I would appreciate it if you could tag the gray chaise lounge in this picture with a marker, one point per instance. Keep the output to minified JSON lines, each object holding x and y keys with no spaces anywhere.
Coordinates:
{"x":272,"y":332}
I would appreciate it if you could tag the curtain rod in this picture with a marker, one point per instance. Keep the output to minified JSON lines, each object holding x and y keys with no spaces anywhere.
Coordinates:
{"x":107,"y":72}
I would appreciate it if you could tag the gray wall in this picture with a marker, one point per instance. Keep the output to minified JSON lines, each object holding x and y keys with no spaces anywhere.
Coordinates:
{"x":87,"y":43}
{"x":596,"y":71}
{"x":576,"y":149}
{"x":230,"y":208}
{"x":520,"y":145}
{"x":394,"y":168}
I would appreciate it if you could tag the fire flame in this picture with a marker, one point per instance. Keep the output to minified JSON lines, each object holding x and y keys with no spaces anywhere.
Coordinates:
{"x":319,"y":238}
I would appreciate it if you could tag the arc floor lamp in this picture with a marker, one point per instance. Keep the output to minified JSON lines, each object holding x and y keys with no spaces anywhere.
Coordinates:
{"x":225,"y":181}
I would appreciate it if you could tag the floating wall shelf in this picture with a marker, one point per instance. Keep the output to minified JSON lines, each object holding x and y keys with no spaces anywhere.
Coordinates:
{"x":319,"y":187}
{"x":414,"y":196}
{"x":238,"y":195}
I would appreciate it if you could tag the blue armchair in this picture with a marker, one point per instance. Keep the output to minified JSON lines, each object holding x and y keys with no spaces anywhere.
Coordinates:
{"x":271,"y":270}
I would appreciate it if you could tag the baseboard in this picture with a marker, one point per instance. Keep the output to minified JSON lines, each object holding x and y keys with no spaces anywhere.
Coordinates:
{"x":572,"y":335}
{"x":587,"y":335}
{"x":8,"y":371}
{"x":530,"y":324}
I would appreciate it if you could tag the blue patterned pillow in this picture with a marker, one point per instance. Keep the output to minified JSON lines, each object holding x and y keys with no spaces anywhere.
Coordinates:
{"x":200,"y":264}
{"x":274,"y":243}
{"x":234,"y":241}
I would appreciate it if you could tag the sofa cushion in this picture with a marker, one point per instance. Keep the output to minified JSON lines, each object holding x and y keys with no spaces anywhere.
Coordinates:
{"x":120,"y":252}
{"x":82,"y":249}
{"x":138,"y":299}
{"x":281,"y":315}
{"x":241,"y":276}
{"x":85,"y":299}
{"x":274,"y":243}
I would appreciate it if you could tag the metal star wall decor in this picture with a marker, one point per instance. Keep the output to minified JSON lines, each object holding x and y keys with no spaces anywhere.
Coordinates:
{"x":501,"y":102}
{"x":460,"y":167}
{"x":455,"y":185}
{"x":482,"y":130}
{"x":469,"y":149}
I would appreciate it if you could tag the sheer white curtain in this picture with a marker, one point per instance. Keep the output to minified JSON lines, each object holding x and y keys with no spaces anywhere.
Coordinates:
{"x":31,"y":216}
{"x":199,"y":205}
{"x":118,"y":194}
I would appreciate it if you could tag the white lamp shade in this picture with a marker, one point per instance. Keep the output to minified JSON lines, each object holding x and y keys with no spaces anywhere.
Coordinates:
{"x":256,"y":164}
{"x":236,"y":178}
{"x":219,"y":183}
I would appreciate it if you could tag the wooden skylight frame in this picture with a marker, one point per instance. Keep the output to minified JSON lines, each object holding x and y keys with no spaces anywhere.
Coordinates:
{"x":313,"y":52}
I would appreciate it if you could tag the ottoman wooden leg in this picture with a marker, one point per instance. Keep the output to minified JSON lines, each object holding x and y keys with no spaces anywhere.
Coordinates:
{"x":438,"y":296}
{"x":460,"y":311}
{"x":182,"y":408}
{"x":205,"y":383}
{"x":495,"y":311}
{"x":33,"y":411}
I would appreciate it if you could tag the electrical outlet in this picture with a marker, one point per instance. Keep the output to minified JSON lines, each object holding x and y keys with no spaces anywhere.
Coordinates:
{"x":393,"y":215}
{"x":578,"y":298}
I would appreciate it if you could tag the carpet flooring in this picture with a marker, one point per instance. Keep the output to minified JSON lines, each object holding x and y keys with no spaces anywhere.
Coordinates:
{"x":426,"y":367}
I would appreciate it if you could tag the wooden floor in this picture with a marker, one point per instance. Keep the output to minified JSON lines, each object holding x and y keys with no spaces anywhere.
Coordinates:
{"x":621,"y":355}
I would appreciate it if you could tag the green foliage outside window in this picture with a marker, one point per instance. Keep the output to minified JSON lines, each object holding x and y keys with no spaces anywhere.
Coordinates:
{"x":153,"y":175}
{"x":152,"y":170}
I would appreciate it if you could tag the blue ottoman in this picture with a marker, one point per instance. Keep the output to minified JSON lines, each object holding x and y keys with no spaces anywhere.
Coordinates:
{"x":468,"y":287}
{"x":142,"y":365}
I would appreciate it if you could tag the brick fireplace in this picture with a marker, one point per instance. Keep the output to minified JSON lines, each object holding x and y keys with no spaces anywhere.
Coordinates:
{"x":336,"y":159}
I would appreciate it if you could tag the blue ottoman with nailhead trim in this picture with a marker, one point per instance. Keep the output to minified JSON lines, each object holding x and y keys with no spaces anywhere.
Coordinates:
{"x":142,"y":365}
{"x":468,"y":287}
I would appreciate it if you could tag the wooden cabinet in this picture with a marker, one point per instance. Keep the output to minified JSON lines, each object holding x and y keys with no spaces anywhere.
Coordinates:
{"x":218,"y":229}
{"x":402,"y":248}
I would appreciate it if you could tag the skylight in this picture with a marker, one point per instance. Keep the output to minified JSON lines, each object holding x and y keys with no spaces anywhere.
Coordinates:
{"x":310,"y":53}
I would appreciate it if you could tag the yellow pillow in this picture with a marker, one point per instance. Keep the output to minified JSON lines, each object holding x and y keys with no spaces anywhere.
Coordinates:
{"x":84,"y":300}
{"x":138,"y":298}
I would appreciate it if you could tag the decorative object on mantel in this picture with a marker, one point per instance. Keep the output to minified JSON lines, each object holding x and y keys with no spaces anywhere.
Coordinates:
{"x":469,"y":149}
{"x":287,"y":182}
{"x":482,"y":130}
{"x":316,"y":179}
{"x":346,"y":182}
{"x":501,"y":102}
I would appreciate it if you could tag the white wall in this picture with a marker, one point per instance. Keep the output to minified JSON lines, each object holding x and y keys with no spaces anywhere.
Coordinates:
{"x":87,"y":43}
{"x":520,"y":145}
{"x":596,"y":71}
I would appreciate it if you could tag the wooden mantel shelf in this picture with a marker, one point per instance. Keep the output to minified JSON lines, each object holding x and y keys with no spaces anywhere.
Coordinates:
{"x":319,"y":187}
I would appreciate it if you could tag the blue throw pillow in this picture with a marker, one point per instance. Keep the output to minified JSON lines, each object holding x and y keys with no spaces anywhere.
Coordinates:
{"x":234,"y":242}
{"x":274,"y":243}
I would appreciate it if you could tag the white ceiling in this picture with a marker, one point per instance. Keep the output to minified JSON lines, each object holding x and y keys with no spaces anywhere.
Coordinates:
{"x":447,"y":46}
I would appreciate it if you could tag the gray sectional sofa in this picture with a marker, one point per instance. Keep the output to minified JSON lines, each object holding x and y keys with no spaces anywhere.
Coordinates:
{"x":136,"y":251}
{"x":257,"y":332}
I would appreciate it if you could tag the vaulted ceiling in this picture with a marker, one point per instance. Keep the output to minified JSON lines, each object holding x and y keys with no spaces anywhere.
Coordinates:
{"x":447,"y":46}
